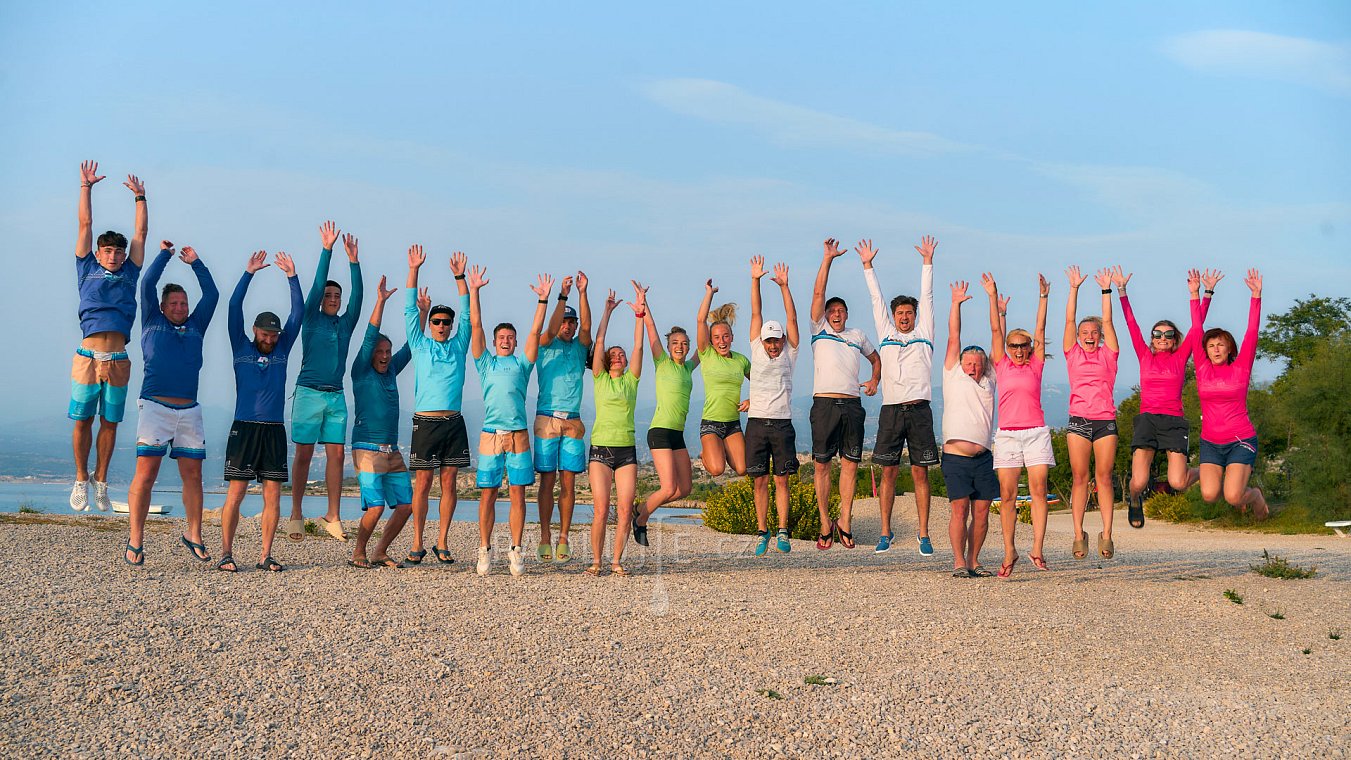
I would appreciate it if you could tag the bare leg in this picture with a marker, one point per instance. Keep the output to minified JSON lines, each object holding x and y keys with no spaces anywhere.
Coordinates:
{"x":601,"y":478}
{"x":1242,"y":497}
{"x":190,"y":472}
{"x":1008,"y":509}
{"x":422,"y":489}
{"x":1081,"y":450}
{"x":980,"y":525}
{"x":760,"y":486}
{"x":1104,"y":457}
{"x":1180,"y":475}
{"x":449,"y":498}
{"x":957,"y":531}
{"x":138,"y":500}
{"x":107,"y":441}
{"x":1142,"y":461}
{"x":229,"y":514}
{"x":544,"y":500}
{"x":393,"y":526}
{"x":300,"y":476}
{"x":567,"y":499}
{"x":713,"y":455}
{"x":271,"y":513}
{"x":517,"y":518}
{"x":921,"y":477}
{"x":82,"y":438}
{"x":370,"y":517}
{"x":335,"y":456}
{"x":734,"y":446}
{"x":781,"y":495}
{"x":886,"y":495}
{"x":1036,"y":485}
{"x":848,"y":481}
{"x":821,"y":480}
{"x":664,"y":460}
{"x":626,"y":483}
{"x":1212,"y":482}
{"x":487,"y":516}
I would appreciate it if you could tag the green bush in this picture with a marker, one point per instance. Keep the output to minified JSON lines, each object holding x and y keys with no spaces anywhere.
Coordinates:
{"x":1172,"y":507}
{"x":731,"y":509}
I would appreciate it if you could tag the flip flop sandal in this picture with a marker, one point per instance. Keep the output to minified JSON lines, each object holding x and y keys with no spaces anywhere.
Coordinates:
{"x":270,"y":565}
{"x":1080,"y":548}
{"x":226,"y":559}
{"x":199,"y":551}
{"x":136,"y":551}
{"x":363,"y":564}
{"x":980,"y":572}
{"x":825,"y":541}
{"x":295,"y":530}
{"x":442,"y":555}
{"x":545,"y":553}
{"x":1038,"y":562}
{"x":1105,"y":547}
{"x":1135,"y":513}
{"x":562,"y":555}
{"x":594,"y":571}
{"x":639,"y":534}
{"x":415,"y":558}
{"x":387,"y":562}
{"x":335,"y":530}
{"x":1007,"y":570}
{"x":846,"y":538}
{"x":961,"y":572}
{"x":620,"y":571}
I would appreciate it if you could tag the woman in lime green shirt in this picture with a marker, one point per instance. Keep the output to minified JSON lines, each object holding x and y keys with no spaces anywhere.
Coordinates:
{"x":666,"y":436}
{"x":724,"y":371}
{"x":614,"y":460}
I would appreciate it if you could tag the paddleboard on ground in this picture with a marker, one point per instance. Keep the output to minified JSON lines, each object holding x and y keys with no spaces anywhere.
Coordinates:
{"x":121,"y":507}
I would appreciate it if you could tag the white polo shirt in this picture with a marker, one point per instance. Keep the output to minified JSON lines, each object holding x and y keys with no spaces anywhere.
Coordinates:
{"x":836,"y":357}
{"x":907,"y":358}
{"x":771,"y":385}
{"x":968,"y":407}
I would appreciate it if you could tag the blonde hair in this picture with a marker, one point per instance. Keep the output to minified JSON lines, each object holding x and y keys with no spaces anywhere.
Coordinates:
{"x":725,"y":314}
{"x":1095,"y":320}
{"x":1018,"y":331}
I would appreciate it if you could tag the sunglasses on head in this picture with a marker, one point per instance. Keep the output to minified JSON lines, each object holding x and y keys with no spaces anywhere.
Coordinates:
{"x":440,"y":321}
{"x":1016,"y":346}
{"x":1165,"y":334}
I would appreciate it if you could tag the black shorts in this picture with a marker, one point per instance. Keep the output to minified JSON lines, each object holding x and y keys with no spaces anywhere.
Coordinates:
{"x":910,"y":425}
{"x":971,"y":477}
{"x":1091,"y":429}
{"x":1161,"y":432}
{"x":837,"y":428}
{"x":721,"y":429}
{"x":438,"y":442}
{"x":770,"y":439}
{"x":665,"y":438}
{"x":614,"y":457}
{"x":256,"y":451}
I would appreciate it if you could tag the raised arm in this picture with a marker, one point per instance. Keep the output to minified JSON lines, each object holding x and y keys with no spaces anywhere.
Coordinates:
{"x":996,"y":325}
{"x":640,"y":316}
{"x":757,"y":317}
{"x":412,"y":316}
{"x":328,"y":235}
{"x":458,"y":263}
{"x":1104,"y":280}
{"x":1039,"y":337}
{"x":136,"y":250}
{"x":598,"y":354}
{"x":583,"y":311}
{"x":831,"y":251}
{"x":924,"y":321}
{"x":1071,"y":305}
{"x":477,"y":279}
{"x":789,"y":308}
{"x":1247,"y":352}
{"x":881,"y":318}
{"x":235,"y":319}
{"x":381,"y":296}
{"x":1120,"y":279}
{"x":556,"y":319}
{"x":355,"y":298}
{"x":543,"y":287}
{"x":89,"y":176}
{"x":150,"y":311}
{"x":206,"y":307}
{"x":702,"y":331}
{"x":959,"y":297}
{"x":291,"y":330}
{"x":1209,"y":279}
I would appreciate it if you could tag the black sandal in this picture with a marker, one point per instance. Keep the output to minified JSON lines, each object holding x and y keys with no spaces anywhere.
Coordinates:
{"x":442,"y":555}
{"x":639,"y":534}
{"x":199,"y":551}
{"x":980,"y":572}
{"x":226,"y":559}
{"x":415,"y":558}
{"x":138,"y":552}
{"x":363,"y":564}
{"x":961,"y":572}
{"x":846,"y":538}
{"x":1135,"y":513}
{"x":270,"y":565}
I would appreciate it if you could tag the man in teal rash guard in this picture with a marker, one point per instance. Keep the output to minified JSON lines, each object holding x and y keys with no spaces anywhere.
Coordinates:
{"x":440,"y":441}
{"x":257,"y":446}
{"x":375,"y":438}
{"x":319,"y":410}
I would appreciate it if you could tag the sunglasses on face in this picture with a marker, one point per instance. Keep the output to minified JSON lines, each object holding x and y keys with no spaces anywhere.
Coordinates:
{"x":440,"y":321}
{"x":1019,"y":346}
{"x":1164,"y":334}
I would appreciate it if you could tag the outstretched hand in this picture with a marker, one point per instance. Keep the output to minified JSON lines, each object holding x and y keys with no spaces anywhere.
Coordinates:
{"x":611,"y":301}
{"x":1003,"y":304}
{"x":832,"y":248}
{"x":780,"y":275}
{"x":710,"y":288}
{"x":959,"y":292}
{"x":458,"y":262}
{"x":257,"y":261}
{"x":1103,"y":278}
{"x":165,"y":245}
{"x":639,"y":297}
{"x":757,"y":266}
{"x":416,"y":258}
{"x":987,"y":282}
{"x":381,"y":292}
{"x":89,"y":173}
{"x":866,"y":252}
{"x":544,"y":284}
{"x":1043,"y":285}
{"x":926,"y":247}
{"x":565,"y":288}
{"x":285,"y":264}
{"x":582,"y":282}
{"x":349,"y":244}
{"x":188,"y":255}
{"x":1120,"y":278}
{"x":1254,"y":282}
{"x":328,"y":234}
{"x":424,"y":299}
{"x":1211,"y":277}
{"x":1075,"y":278}
{"x":134,"y":184}
{"x":478,"y":277}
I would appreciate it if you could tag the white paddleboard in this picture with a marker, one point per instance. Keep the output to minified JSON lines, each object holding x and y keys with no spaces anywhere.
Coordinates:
{"x":121,"y":507}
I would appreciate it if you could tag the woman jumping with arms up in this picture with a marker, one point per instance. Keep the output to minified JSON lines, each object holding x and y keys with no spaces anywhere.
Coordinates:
{"x":724,"y":371}
{"x":1023,"y":440}
{"x":614,"y":460}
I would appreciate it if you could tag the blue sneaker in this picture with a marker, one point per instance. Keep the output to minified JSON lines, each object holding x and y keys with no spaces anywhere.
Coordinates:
{"x":925,"y":548}
{"x":883,"y":544}
{"x":762,"y":545}
{"x":783,"y":544}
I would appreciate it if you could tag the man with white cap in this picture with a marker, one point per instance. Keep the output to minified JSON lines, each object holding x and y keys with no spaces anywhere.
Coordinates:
{"x":769,"y":425}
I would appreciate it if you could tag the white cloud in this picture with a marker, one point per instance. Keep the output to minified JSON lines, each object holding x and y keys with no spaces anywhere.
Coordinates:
{"x":787,"y":124}
{"x":1297,"y":60}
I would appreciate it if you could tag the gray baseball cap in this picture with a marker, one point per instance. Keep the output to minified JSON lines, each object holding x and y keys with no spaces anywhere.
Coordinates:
{"x":268,"y":321}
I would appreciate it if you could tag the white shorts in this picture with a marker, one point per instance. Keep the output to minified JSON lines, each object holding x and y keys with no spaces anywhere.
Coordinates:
{"x":1023,"y":448}
{"x":162,"y":429}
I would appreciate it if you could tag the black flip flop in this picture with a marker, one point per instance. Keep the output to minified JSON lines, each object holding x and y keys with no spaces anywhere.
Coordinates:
{"x":226,"y":559}
{"x":442,"y":555}
{"x":362,"y":564}
{"x":846,"y":538}
{"x":199,"y":551}
{"x":980,"y":572}
{"x":1135,"y":513}
{"x":639,"y":534}
{"x":270,"y":565}
{"x":136,"y":551}
{"x":415,"y":558}
{"x":961,"y":572}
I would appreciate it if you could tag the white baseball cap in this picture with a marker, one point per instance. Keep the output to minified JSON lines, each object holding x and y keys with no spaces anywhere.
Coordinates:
{"x":771,"y":329}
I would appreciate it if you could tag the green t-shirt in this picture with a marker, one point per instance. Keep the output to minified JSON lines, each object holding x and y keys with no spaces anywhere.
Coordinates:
{"x":615,"y":400}
{"x":722,"y":384}
{"x":674,"y":383}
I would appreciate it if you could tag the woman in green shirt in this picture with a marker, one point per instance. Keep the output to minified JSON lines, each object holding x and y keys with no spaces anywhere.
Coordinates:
{"x":724,"y":370}
{"x":614,"y":460}
{"x":666,"y":436}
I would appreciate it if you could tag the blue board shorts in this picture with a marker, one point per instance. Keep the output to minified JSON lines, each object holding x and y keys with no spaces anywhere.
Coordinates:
{"x":559,"y":443}
{"x":504,"y":452}
{"x":98,"y":384}
{"x":318,"y":416}
{"x":382,"y":475}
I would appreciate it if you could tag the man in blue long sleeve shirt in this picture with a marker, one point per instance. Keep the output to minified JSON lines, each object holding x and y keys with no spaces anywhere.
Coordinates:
{"x":170,"y":420}
{"x":375,"y":438}
{"x":257,"y":445}
{"x":440,"y":441}
{"x":319,"y":411}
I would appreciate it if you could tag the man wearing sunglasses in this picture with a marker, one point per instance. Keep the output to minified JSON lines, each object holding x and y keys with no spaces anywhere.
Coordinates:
{"x":106,"y":278}
{"x":440,"y":442}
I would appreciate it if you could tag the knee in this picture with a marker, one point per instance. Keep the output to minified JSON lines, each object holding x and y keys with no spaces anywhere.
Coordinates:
{"x":1235,"y":496}
{"x":1178,"y":482}
{"x":1035,"y":489}
{"x":920,"y":475}
{"x":715,"y":469}
{"x":1210,"y":495}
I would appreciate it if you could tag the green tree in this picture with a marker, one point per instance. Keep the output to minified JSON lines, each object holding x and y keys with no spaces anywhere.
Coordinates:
{"x":1310,"y":410}
{"x":1297,"y":333}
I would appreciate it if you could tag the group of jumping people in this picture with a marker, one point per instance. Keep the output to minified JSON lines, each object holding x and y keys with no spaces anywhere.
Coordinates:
{"x":981,"y":461}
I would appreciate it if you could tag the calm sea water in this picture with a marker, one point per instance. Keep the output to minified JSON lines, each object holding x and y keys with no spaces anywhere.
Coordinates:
{"x":55,"y":499}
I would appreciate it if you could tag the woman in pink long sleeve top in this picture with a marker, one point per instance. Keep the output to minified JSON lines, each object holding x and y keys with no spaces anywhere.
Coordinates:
{"x":1091,"y":353}
{"x":1228,"y":438}
{"x":1160,"y":425}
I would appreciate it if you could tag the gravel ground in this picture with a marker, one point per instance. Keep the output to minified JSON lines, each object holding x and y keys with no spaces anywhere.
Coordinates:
{"x":704,"y":651}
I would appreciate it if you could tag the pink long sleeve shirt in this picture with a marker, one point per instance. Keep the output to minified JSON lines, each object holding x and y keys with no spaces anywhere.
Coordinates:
{"x":1162,"y":375}
{"x":1223,"y":388}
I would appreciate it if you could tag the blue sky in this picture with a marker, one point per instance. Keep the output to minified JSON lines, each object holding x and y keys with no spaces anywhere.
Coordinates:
{"x":671,"y":144}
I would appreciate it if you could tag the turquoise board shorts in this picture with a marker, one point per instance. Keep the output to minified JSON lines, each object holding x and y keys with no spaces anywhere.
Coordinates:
{"x":318,"y":416}
{"x":382,"y":475}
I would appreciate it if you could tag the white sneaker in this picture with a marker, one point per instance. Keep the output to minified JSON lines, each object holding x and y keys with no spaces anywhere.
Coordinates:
{"x":484,"y":558}
{"x":516,"y":560}
{"x":79,"y":496}
{"x":101,"y":501}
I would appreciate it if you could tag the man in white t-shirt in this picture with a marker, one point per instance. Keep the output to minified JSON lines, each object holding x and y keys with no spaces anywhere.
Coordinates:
{"x":769,"y":425}
{"x":837,"y":415}
{"x":905,"y":336}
